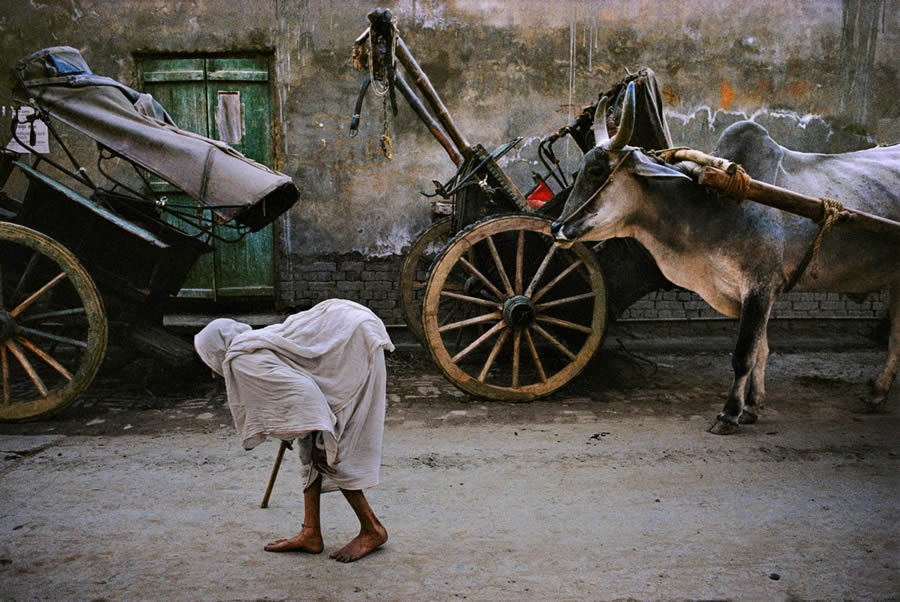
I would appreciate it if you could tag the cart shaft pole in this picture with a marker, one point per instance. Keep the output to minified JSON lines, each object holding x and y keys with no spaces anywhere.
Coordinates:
{"x":427,"y":119}
{"x":431,"y":95}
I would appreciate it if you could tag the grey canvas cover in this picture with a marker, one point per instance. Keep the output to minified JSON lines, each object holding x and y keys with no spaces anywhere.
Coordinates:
{"x":136,"y":127}
{"x":650,"y":128}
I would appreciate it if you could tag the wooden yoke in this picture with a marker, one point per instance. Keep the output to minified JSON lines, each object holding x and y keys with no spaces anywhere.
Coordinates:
{"x":799,"y":204}
{"x":674,"y":155}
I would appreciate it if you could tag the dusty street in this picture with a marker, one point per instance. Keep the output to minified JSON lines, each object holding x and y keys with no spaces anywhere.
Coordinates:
{"x":611,"y":489}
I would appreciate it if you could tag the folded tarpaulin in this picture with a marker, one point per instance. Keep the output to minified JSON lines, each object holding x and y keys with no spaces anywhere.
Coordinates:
{"x":136,"y":127}
{"x":650,"y":128}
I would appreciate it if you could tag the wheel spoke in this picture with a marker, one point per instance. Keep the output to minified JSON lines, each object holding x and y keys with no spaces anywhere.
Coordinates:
{"x":534,"y":356}
{"x":20,"y":286}
{"x":20,"y":355}
{"x":493,"y":355}
{"x":474,"y":344}
{"x":553,"y":340}
{"x":466,"y":311}
{"x":499,"y":263}
{"x":541,"y":269}
{"x":453,"y":309}
{"x":476,"y":320}
{"x":77,"y":311}
{"x":564,"y":324}
{"x":517,"y":342}
{"x":27,"y":302}
{"x":475,"y":272}
{"x":564,"y":300}
{"x":53,"y":337}
{"x":45,"y":356}
{"x":520,"y":259}
{"x":414,"y":273}
{"x":469,"y":299}
{"x":4,"y":364}
{"x":555,"y":281}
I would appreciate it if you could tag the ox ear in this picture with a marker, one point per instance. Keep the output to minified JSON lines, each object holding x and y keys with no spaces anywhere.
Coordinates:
{"x":647,"y":168}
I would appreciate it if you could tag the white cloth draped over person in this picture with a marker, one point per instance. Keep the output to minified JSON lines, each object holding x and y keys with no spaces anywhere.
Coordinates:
{"x":318,"y":377}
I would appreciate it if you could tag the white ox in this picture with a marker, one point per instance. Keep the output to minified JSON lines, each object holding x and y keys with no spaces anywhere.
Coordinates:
{"x":739,"y":256}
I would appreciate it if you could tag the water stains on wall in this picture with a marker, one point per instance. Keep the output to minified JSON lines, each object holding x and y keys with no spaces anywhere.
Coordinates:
{"x":823,"y":74}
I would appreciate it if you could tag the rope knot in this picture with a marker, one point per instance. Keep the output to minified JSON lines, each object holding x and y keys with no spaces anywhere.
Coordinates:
{"x":832,"y":212}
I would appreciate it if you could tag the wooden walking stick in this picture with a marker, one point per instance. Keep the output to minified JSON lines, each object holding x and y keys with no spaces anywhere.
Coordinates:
{"x":284,"y":445}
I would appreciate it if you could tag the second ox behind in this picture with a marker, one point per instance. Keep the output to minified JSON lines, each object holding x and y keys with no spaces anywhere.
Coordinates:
{"x":740,"y":256}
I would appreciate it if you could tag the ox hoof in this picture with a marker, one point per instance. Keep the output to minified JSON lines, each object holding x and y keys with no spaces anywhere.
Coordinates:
{"x":867,"y":406}
{"x":748,"y":418}
{"x":722,"y":426}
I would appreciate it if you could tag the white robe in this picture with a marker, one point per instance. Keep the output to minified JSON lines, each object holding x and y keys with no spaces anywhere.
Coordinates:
{"x":320,"y":370}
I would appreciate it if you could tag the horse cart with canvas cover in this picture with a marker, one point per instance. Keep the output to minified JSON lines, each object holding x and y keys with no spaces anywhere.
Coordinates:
{"x":506,"y":312}
{"x":83,"y":248}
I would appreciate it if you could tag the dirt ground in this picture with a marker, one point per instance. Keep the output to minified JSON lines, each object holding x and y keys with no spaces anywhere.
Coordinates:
{"x":610,"y":489}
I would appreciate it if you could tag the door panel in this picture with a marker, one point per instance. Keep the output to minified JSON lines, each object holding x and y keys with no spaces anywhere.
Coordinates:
{"x":245,"y":269}
{"x":180,"y":87}
{"x":200,"y":94}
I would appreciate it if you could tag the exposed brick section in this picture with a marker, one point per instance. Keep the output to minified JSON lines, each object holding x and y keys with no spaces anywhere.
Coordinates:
{"x":685,"y":305}
{"x":374,"y":282}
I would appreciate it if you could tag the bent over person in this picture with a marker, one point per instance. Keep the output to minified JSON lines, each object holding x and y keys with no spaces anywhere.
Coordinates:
{"x":318,"y":377}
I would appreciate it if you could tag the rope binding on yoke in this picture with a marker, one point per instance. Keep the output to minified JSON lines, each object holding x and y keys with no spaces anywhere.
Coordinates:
{"x":832,"y":212}
{"x":738,"y":184}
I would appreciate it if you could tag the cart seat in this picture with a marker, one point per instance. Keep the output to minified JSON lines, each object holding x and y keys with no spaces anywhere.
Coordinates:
{"x":41,"y":178}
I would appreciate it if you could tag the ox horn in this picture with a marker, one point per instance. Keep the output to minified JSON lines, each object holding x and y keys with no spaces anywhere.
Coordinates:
{"x":626,"y":121}
{"x":601,"y":135}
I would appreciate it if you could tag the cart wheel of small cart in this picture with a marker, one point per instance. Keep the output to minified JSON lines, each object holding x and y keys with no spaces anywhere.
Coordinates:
{"x":414,"y":273}
{"x":52,"y":325}
{"x":511,"y":315}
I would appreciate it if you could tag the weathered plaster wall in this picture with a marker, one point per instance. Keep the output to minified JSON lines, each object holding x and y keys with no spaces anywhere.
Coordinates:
{"x":505,"y":68}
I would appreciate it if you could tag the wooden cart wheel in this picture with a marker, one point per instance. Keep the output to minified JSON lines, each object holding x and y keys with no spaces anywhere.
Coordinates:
{"x":52,"y":325}
{"x":415,"y":271}
{"x":509,"y":314}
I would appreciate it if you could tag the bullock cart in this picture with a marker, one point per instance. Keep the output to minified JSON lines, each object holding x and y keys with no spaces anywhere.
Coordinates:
{"x":506,"y":313}
{"x":87,"y":251}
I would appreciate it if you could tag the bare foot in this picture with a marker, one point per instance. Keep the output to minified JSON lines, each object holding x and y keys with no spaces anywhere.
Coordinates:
{"x":361,"y":545}
{"x":308,"y":540}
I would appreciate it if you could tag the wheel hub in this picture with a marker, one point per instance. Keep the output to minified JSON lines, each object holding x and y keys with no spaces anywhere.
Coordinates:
{"x":7,"y":326}
{"x":519,"y":311}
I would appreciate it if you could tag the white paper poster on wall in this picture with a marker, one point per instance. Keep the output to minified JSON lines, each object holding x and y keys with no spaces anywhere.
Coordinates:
{"x":33,"y":133}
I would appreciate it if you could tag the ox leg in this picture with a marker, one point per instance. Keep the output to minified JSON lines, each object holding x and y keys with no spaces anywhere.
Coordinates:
{"x":747,"y":353}
{"x":882,"y":384}
{"x":756,"y":394}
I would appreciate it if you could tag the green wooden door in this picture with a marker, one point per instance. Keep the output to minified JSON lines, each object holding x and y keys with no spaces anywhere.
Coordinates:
{"x":226,"y":99}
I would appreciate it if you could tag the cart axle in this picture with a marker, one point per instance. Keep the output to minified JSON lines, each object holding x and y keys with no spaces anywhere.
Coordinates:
{"x":519,"y":311}
{"x":7,"y":326}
